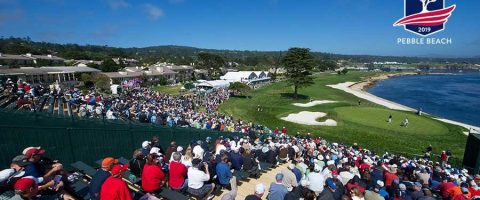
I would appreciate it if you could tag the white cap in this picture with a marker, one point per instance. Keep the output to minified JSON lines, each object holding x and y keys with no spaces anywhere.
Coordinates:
{"x":320,"y":157}
{"x":155,"y":150}
{"x":260,"y":188}
{"x":145,"y":144}
{"x":380,"y":183}
{"x":179,"y":148}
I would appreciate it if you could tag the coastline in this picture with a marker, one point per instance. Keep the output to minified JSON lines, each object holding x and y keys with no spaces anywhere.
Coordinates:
{"x":359,"y":89}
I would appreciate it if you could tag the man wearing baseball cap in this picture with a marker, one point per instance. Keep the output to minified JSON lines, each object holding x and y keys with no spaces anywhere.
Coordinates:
{"x":100,"y":176}
{"x":27,"y":188}
{"x":34,"y":155}
{"x":115,"y":188}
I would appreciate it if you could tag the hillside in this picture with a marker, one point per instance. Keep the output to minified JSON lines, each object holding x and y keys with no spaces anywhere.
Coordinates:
{"x":186,"y":55}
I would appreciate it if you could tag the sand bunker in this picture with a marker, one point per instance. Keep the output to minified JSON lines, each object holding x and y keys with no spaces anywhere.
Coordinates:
{"x":313,"y":103}
{"x":308,"y":118}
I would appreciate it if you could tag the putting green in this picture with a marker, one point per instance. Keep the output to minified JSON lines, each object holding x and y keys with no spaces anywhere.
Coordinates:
{"x":378,"y":118}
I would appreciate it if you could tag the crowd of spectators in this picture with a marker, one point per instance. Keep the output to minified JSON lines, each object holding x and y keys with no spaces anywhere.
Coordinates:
{"x":316,"y":170}
{"x":195,"y":110}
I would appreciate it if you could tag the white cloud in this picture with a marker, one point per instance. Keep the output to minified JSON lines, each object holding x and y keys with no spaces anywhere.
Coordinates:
{"x":153,"y":11}
{"x":118,"y":4}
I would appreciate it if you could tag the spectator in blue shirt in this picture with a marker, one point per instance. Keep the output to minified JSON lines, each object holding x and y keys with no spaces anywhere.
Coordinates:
{"x":236,"y":159}
{"x":298,"y":173}
{"x":34,"y":155}
{"x":223,"y":172}
{"x":277,"y":190}
{"x":100,"y":176}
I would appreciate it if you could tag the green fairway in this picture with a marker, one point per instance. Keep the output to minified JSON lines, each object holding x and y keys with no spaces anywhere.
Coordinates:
{"x":365,"y":124}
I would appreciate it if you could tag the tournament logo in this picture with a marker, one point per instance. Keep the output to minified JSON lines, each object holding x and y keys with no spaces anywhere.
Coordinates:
{"x":425,"y":17}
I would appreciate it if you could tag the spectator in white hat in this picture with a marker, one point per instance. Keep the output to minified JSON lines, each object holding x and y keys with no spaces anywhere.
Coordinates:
{"x":258,"y":194}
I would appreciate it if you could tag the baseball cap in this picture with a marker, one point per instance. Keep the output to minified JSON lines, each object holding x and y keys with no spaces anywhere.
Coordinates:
{"x":156,"y":151}
{"x":21,"y":160}
{"x":331,"y":184}
{"x":118,"y":169}
{"x":145,"y":144}
{"x":31,"y":151}
{"x":417,"y":184}
{"x":24,"y":184}
{"x":109,"y":161}
{"x":380,"y":183}
{"x":402,"y":187}
{"x":179,"y":148}
{"x":260,"y":188}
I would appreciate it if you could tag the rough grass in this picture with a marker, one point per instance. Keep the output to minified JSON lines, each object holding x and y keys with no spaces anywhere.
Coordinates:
{"x":365,"y":124}
{"x":170,"y":89}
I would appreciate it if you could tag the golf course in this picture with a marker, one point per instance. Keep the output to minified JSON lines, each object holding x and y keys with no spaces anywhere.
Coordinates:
{"x":365,"y":124}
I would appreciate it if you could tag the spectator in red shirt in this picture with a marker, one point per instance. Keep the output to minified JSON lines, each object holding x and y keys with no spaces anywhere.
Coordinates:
{"x":445,"y":187}
{"x":114,"y":188}
{"x":275,"y":130}
{"x":444,"y":158}
{"x":284,"y":130}
{"x":474,"y":190}
{"x":153,"y":177}
{"x":391,"y":175}
{"x":177,"y":173}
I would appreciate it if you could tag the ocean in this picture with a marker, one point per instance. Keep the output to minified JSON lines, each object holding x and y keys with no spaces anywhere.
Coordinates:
{"x":454,"y":96}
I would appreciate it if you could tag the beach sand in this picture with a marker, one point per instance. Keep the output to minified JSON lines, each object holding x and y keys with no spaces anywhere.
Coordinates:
{"x":309,"y":118}
{"x":358,"y":89}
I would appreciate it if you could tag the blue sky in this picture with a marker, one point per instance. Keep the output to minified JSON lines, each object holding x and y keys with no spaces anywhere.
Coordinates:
{"x":334,"y":26}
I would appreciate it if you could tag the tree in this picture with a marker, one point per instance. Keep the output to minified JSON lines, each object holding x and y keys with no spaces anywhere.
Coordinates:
{"x":239,"y":88}
{"x":210,"y":62}
{"x":108,"y":65}
{"x":102,"y":82}
{"x":298,"y":63}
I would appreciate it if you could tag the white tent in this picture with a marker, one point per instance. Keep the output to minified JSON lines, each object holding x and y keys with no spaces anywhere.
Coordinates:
{"x":214,"y":84}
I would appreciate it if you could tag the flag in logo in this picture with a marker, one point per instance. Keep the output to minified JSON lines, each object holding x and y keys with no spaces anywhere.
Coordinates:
{"x":425,"y":17}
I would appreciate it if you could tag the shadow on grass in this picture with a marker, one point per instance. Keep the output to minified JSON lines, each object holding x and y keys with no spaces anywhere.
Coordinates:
{"x":290,"y":96}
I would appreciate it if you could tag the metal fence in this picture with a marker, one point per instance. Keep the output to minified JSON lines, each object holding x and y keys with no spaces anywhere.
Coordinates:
{"x":70,"y":139}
